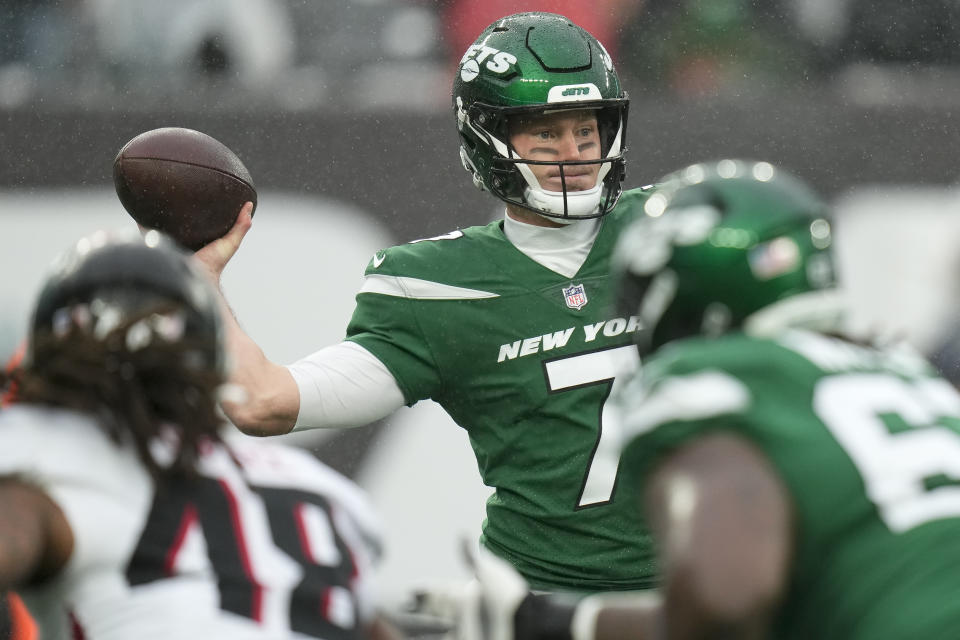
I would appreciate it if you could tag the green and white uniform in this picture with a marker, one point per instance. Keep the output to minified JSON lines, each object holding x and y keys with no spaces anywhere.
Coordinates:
{"x":468,"y":320}
{"x":868,"y":444}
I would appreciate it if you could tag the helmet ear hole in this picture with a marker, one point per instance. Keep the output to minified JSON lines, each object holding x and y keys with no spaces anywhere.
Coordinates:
{"x":467,"y":145}
{"x":468,"y":165}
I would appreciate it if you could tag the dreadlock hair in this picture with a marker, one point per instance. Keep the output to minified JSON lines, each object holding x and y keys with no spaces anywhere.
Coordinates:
{"x":141,"y":391}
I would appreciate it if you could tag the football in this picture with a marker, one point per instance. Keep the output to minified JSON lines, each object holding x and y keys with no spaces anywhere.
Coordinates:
{"x":182,"y":182}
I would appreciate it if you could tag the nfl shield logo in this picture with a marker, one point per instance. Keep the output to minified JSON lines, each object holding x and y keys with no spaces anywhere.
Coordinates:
{"x":576,"y":296}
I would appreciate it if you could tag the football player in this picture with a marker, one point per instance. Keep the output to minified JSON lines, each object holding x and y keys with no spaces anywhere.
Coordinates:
{"x":801,"y":482}
{"x":129,"y":510}
{"x":508,"y":325}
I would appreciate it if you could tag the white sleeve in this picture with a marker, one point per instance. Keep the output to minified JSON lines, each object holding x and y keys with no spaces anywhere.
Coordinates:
{"x":344,"y":385}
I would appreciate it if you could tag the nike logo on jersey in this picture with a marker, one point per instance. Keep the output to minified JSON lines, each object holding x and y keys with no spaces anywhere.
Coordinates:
{"x":378,"y":258}
{"x":550,"y":341}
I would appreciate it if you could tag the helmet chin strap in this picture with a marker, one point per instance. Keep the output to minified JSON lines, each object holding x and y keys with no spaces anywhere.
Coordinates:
{"x":579,"y":203}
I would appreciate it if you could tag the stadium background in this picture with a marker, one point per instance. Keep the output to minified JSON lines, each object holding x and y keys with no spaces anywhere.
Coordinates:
{"x":340,"y":110}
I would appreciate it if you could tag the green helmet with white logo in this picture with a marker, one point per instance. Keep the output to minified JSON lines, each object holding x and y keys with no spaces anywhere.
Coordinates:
{"x":531,"y":63}
{"x":726,"y":246}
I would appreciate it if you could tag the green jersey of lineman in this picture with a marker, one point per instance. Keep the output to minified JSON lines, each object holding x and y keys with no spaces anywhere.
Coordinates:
{"x":867,"y":443}
{"x":524,"y":359}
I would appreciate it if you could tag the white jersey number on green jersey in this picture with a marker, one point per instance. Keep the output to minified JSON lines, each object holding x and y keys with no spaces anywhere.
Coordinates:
{"x":583,"y":369}
{"x":888,"y":426}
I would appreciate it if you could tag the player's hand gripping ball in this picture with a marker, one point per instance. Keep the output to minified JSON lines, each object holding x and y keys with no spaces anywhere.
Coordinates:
{"x":182,"y":182}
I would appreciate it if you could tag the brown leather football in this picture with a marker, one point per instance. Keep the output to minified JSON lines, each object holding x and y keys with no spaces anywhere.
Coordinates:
{"x":182,"y":182}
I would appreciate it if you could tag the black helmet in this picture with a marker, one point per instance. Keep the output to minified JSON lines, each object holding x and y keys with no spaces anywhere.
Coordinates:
{"x":110,"y":280}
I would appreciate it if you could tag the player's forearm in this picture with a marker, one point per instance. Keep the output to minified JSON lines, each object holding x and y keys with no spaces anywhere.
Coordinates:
{"x":498,"y":604}
{"x":17,"y":557}
{"x":619,"y":616}
{"x":28,"y":547}
{"x":20,"y":541}
{"x":644,"y":616}
{"x":381,"y":629}
{"x":723,"y":519}
{"x":609,"y":616}
{"x":270,"y":399}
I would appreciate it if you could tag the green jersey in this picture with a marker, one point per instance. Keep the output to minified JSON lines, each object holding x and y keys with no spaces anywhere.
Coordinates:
{"x":524,"y":359}
{"x":867,"y":443}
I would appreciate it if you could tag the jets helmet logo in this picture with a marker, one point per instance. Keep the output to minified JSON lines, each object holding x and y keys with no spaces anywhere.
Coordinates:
{"x":494,"y":60}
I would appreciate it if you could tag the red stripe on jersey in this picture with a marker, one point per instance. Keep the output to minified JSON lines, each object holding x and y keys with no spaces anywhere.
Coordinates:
{"x":325,"y":604}
{"x":257,"y":604}
{"x":302,"y":530}
{"x":76,"y":630}
{"x":189,"y":518}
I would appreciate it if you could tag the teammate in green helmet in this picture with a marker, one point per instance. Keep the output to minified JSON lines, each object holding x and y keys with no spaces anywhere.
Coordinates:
{"x":801,"y":482}
{"x":731,"y":246}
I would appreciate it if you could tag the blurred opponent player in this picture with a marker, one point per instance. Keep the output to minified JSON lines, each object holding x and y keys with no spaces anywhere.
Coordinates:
{"x":129,"y":511}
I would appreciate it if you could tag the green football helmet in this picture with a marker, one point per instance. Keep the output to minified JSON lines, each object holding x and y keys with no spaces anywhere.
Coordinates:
{"x":531,"y":63}
{"x":726,"y":246}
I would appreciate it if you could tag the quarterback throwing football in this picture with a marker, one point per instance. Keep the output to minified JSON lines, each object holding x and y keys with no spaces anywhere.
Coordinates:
{"x":508,"y":326}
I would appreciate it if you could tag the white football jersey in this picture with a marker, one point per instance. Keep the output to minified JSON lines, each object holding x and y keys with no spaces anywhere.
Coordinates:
{"x":265,"y":543}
